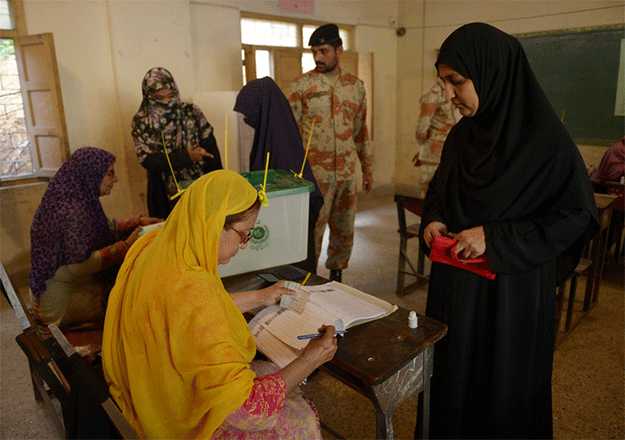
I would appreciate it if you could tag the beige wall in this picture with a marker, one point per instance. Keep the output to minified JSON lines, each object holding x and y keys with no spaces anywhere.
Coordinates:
{"x":104,"y":48}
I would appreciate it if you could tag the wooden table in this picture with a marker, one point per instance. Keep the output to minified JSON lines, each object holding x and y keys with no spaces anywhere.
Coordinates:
{"x":384,"y":360}
{"x":409,"y":199}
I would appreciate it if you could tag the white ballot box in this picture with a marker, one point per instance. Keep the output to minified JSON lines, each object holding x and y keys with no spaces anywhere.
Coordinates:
{"x":280,"y":235}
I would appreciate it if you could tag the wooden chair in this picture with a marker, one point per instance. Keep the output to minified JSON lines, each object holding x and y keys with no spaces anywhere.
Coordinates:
{"x":46,"y":359}
{"x":581,"y":268}
{"x":617,"y":222}
{"x":406,"y":232}
{"x":91,"y":412}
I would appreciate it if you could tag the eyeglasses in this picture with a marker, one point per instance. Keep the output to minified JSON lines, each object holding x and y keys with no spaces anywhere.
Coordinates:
{"x":244,"y":237}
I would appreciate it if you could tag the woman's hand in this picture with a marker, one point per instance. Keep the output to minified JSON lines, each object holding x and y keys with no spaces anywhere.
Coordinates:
{"x":471,"y":243}
{"x":133,"y":237}
{"x":198,"y":153}
{"x":321,"y":349}
{"x":318,"y":351}
{"x":432,"y":230}
{"x":144,"y":221}
{"x":252,"y":299}
{"x":272,"y":294}
{"x":415,"y":160}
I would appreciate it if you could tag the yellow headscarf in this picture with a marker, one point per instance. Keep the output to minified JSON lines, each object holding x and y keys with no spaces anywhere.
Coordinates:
{"x":176,"y":349}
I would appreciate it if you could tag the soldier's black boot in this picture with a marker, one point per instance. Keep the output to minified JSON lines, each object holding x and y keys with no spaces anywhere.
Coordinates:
{"x":335,"y":275}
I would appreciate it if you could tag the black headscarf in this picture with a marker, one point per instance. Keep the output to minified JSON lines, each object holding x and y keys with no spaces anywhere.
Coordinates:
{"x":267,"y":110}
{"x":514,"y":158}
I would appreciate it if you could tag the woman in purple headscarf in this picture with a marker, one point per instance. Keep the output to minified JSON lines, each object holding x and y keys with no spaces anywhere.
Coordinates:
{"x":75,"y":249}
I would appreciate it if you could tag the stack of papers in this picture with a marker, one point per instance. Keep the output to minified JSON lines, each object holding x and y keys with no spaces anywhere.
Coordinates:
{"x":276,"y":329}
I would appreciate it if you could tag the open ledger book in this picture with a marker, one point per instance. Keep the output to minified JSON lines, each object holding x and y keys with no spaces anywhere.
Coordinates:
{"x":276,"y":329}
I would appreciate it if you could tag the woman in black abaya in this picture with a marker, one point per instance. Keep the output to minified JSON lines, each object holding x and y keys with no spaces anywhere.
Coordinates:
{"x":512,"y":186}
{"x":267,"y":110}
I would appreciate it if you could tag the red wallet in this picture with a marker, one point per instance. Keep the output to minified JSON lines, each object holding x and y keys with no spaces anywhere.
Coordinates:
{"x":444,"y":251}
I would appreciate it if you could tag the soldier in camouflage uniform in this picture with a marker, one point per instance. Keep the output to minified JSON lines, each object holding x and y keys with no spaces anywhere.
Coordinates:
{"x":335,"y":100}
{"x":436,"y":117}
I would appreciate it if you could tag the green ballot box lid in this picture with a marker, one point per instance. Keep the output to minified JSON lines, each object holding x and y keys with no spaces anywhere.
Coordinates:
{"x":284,"y":183}
{"x":279,"y":182}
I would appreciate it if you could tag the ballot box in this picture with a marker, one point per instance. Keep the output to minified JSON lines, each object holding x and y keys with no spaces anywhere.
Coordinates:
{"x":280,"y":235}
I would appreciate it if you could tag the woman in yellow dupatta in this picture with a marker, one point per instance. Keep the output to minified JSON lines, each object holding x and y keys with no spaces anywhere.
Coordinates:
{"x":177,"y":350}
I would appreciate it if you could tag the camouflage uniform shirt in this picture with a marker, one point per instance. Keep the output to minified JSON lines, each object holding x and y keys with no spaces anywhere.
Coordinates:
{"x":340,"y":130}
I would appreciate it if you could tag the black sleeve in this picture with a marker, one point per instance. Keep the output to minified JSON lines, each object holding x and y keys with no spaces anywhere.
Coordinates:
{"x":158,"y":161}
{"x":521,"y":245}
{"x":210,"y":145}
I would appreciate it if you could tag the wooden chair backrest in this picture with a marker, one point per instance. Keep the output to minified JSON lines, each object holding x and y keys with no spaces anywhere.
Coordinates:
{"x":115,"y":416}
{"x":24,"y":318}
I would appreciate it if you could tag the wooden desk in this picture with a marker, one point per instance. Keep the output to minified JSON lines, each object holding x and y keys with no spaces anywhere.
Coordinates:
{"x":384,"y":360}
{"x":598,"y":245}
{"x":408,"y":198}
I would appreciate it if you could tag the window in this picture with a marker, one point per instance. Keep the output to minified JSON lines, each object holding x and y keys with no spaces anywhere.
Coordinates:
{"x":6,"y":18}
{"x":33,"y":136}
{"x":272,"y":44}
{"x":278,"y":47}
{"x":271,"y":33}
{"x":15,"y":160}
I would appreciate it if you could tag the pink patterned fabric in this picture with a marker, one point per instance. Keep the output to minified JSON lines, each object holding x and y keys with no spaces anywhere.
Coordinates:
{"x":270,"y":414}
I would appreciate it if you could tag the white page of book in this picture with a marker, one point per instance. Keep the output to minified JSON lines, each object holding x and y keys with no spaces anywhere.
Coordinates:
{"x":276,"y":350}
{"x":327,"y":303}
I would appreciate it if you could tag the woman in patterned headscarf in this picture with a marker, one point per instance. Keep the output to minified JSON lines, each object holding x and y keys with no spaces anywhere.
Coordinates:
{"x":164,"y":119}
{"x":75,"y":249}
{"x":177,"y":351}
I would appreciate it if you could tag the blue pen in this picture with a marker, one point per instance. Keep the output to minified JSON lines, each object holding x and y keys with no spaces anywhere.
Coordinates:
{"x":316,"y":335}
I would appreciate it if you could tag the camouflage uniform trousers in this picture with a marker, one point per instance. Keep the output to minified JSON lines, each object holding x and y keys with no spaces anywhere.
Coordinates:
{"x":338,"y":212}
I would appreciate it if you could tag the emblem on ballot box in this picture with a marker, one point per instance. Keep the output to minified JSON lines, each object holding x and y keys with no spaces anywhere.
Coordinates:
{"x":260,"y":238}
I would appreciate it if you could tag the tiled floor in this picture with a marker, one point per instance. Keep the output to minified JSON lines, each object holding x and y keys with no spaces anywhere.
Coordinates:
{"x":588,"y":379}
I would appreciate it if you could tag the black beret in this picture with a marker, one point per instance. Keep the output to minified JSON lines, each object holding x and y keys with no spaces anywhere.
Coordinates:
{"x":326,"y":34}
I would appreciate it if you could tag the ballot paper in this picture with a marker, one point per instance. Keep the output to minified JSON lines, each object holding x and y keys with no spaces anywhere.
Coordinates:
{"x":148,"y":228}
{"x":327,"y":303}
{"x":297,"y":301}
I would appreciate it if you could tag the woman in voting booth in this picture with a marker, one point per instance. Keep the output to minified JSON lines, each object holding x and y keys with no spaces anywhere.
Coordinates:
{"x":511,"y":186}
{"x":75,"y":249}
{"x":164,"y":121}
{"x":269,"y":113}
{"x":178,"y":353}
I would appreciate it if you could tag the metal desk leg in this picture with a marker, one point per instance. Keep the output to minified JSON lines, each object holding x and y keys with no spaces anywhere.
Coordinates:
{"x":423,"y":411}
{"x":403,"y":241}
{"x":384,"y":425}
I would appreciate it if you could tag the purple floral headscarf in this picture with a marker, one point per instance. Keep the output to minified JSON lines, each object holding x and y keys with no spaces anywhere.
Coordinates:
{"x":181,"y":124}
{"x":70,"y":223}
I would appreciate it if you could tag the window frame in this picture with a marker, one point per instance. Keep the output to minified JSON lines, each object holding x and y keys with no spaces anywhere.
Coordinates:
{"x":17,"y":11}
{"x":249,"y":50}
{"x":302,"y":46}
{"x":299,"y":22}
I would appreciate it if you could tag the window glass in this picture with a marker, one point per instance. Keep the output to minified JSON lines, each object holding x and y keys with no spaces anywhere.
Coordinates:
{"x":243,"y":66}
{"x":268,"y":33}
{"x":263,"y":64}
{"x":308,"y":62}
{"x":6,"y":20}
{"x":15,"y":160}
